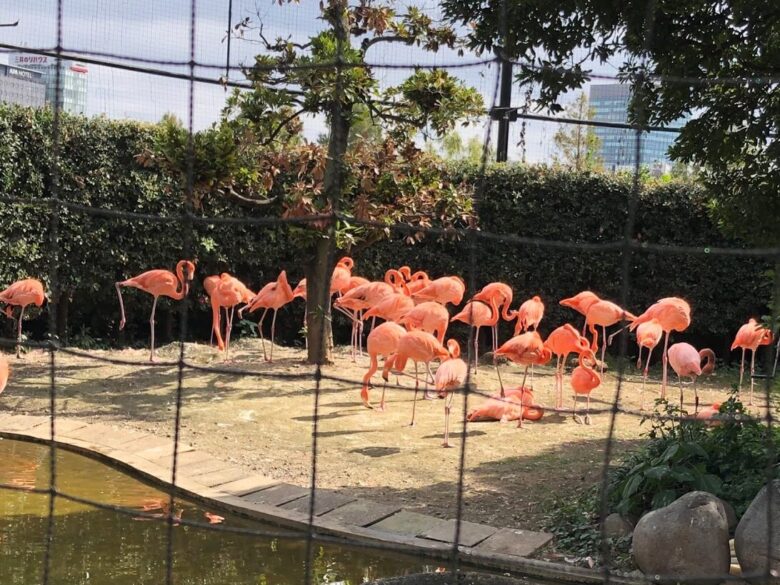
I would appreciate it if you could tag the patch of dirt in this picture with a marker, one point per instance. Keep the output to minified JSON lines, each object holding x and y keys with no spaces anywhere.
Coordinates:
{"x":264,"y":423}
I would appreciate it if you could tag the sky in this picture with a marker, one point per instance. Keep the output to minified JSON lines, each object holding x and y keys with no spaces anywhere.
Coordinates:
{"x":139,"y":29}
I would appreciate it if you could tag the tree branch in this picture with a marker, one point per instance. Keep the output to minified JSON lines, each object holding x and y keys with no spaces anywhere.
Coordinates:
{"x":281,"y":125}
{"x":368,"y":43}
{"x":231,"y":193}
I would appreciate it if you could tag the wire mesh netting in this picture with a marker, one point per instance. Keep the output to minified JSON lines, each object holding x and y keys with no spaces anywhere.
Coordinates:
{"x":184,"y":57}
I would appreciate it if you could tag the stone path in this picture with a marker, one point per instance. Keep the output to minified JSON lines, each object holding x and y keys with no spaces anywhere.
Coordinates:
{"x":204,"y":478}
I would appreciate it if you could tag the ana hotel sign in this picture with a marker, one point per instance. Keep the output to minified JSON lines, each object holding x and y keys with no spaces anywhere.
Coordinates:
{"x":23,"y":73}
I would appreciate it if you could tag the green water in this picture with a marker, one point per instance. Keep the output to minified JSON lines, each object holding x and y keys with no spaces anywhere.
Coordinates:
{"x":93,"y":546}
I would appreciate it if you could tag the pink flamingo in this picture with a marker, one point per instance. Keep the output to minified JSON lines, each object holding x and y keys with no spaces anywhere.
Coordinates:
{"x":4,"y":373}
{"x":749,"y":337}
{"x":516,"y":405}
{"x":22,"y":293}
{"x":159,"y":283}
{"x":227,"y":293}
{"x":686,"y":362}
{"x":583,"y":381}
{"x":273,"y":296}
{"x":478,"y":314}
{"x":429,"y":316}
{"x":502,"y":293}
{"x":648,"y":334}
{"x":529,"y":315}
{"x":581,"y":302}
{"x":450,"y":376}
{"x":447,"y":289}
{"x":391,"y":307}
{"x":383,"y":340}
{"x":674,"y":314}
{"x":604,"y":314}
{"x":561,"y":342}
{"x":417,"y":346}
{"x":525,"y":349}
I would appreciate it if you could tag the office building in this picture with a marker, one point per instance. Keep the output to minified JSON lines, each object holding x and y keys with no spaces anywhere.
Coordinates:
{"x":24,"y":87}
{"x":73,"y":80}
{"x":617,"y":146}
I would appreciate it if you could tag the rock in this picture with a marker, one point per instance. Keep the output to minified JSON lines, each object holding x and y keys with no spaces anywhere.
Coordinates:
{"x":689,"y":538}
{"x":752,"y":534}
{"x":731,"y":515}
{"x":615,"y":526}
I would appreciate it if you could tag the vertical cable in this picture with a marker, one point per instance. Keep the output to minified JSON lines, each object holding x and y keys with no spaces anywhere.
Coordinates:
{"x":229,"y":36}
{"x":55,"y":289}
{"x":186,"y":222}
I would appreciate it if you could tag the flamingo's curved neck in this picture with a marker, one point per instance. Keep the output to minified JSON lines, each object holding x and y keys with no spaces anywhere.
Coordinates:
{"x":183,"y":286}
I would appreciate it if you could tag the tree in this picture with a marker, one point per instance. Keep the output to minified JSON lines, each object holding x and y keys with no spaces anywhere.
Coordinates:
{"x":453,"y":148}
{"x":343,"y":196}
{"x":733,"y":136}
{"x":578,"y":144}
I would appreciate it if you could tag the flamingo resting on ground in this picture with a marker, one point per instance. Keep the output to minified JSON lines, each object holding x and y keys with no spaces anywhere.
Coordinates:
{"x":674,"y":314}
{"x":561,"y":342}
{"x":418,"y":346}
{"x":450,"y":376}
{"x":21,"y":294}
{"x":518,"y":403}
{"x":581,"y":302}
{"x":159,"y":283}
{"x":749,"y":337}
{"x":273,"y":296}
{"x":383,"y":340}
{"x":686,"y":362}
{"x":584,"y":380}
{"x":648,"y":334}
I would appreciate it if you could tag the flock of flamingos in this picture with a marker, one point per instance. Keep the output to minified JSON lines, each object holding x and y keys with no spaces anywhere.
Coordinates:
{"x":414,"y":310}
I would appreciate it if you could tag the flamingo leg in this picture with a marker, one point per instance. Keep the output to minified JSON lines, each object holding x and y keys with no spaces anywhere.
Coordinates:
{"x":360,"y":332}
{"x":19,"y":333}
{"x":273,"y":327}
{"x":696,"y":398}
{"x":432,"y":380}
{"x":384,"y":389}
{"x":498,"y":373}
{"x":260,"y":329}
{"x":679,"y":379}
{"x":587,"y":410}
{"x":447,"y":405}
{"x":665,"y":362}
{"x":522,"y":407}
{"x":644,"y":375}
{"x":525,"y":375}
{"x":229,"y":325}
{"x":741,"y":368}
{"x":416,"y":388}
{"x":151,"y":326}
{"x":476,"y":350}
{"x":603,"y":348}
{"x":574,"y":410}
{"x":121,"y":305}
{"x":752,"y":371}
{"x":559,"y":382}
{"x":639,"y":359}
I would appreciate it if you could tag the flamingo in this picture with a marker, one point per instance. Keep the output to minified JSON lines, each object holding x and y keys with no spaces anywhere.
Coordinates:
{"x":273,"y":296}
{"x":674,"y":314}
{"x":383,"y":340}
{"x":517,"y":404}
{"x":525,"y":349}
{"x":581,"y":302}
{"x":604,"y":314}
{"x":158,"y":283}
{"x":450,"y":376}
{"x":648,"y":334}
{"x":227,"y":293}
{"x":429,"y":316}
{"x":750,"y":336}
{"x":708,"y":413}
{"x":4,"y":373}
{"x":21,"y":294}
{"x":417,"y":281}
{"x":529,"y":315}
{"x":686,"y":362}
{"x":502,"y":293}
{"x":209,"y":284}
{"x":391,"y":307}
{"x":584,"y":380}
{"x":447,"y":289}
{"x":419,"y":346}
{"x":561,"y":342}
{"x":478,"y":314}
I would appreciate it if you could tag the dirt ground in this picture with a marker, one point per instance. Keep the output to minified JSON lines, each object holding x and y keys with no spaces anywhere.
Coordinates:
{"x":265,"y":424}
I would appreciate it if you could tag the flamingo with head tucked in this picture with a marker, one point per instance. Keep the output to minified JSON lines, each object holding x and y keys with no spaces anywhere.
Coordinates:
{"x":584,"y":380}
{"x":22,"y":293}
{"x":450,"y":376}
{"x":159,"y":283}
{"x":273,"y":296}
{"x":447,"y":289}
{"x":502,"y":294}
{"x":429,"y":316}
{"x":686,"y":362}
{"x":561,"y":342}
{"x":604,"y":314}
{"x":648,"y":334}
{"x":749,"y":337}
{"x":478,"y":314}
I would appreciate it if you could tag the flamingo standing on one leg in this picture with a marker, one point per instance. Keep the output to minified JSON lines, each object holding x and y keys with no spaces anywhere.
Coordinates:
{"x":749,"y":337}
{"x":159,"y":283}
{"x":686,"y":362}
{"x":581,"y":302}
{"x":450,"y":376}
{"x":502,"y":293}
{"x":604,"y":314}
{"x":561,"y":342}
{"x":674,"y":314}
{"x":273,"y":296}
{"x":478,"y":314}
{"x":648,"y":334}
{"x":21,"y":294}
{"x":584,"y":380}
{"x":417,"y":346}
{"x":383,"y":340}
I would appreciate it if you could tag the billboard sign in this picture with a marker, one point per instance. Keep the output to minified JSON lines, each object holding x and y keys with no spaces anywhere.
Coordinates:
{"x":31,"y":60}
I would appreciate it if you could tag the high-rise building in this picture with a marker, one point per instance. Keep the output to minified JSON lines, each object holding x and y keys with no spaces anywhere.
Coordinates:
{"x":617,"y":146}
{"x":73,"y":79}
{"x":22,"y":86}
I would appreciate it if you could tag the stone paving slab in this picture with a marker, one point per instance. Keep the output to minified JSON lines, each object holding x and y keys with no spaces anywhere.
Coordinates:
{"x":324,"y":501}
{"x":147,"y":442}
{"x":62,"y":426}
{"x":277,"y":495}
{"x":471,"y":533}
{"x":184,"y":459}
{"x":247,"y":485}
{"x":217,"y":478}
{"x":361,"y":513}
{"x":409,"y":523}
{"x":162,"y":451}
{"x":200,"y":466}
{"x":11,"y":422}
{"x":521,"y":543}
{"x":103,"y":434}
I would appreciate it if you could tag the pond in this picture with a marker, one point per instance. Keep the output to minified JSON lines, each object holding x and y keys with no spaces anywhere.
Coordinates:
{"x":98,"y":546}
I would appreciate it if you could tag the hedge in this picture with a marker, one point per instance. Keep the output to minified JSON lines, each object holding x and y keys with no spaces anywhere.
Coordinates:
{"x":98,"y":169}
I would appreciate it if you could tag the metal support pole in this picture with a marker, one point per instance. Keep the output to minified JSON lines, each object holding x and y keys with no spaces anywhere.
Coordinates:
{"x":505,"y":102}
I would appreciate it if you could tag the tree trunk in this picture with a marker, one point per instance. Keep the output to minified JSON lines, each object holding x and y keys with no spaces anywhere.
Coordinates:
{"x":320,"y":268}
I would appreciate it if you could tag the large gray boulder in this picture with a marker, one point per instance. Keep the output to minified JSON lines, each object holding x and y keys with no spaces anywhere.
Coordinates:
{"x":752,"y":536}
{"x":689,"y":538}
